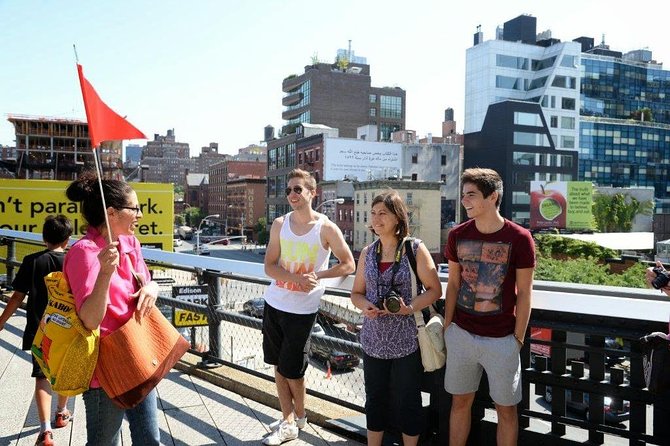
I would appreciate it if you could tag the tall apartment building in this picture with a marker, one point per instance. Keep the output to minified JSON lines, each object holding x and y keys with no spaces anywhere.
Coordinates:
{"x":227,"y":197}
{"x":167,"y":160}
{"x":59,"y":148}
{"x":343,"y":98}
{"x":208,"y":156}
{"x":245,"y":198}
{"x":610,"y":109}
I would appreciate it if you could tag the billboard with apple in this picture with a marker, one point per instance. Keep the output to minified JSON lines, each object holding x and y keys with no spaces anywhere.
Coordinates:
{"x":561,"y":205}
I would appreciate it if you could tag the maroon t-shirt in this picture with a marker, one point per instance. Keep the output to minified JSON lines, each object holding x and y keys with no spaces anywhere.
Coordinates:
{"x":487,"y":295}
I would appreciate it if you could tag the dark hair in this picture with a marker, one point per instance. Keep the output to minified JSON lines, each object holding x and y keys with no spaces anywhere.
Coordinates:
{"x":56,"y":229}
{"x":486,"y":180}
{"x":86,"y":190}
{"x":310,"y":182}
{"x":397,"y":207}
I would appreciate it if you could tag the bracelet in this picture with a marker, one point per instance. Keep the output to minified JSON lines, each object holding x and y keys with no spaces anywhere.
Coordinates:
{"x":518,"y":339}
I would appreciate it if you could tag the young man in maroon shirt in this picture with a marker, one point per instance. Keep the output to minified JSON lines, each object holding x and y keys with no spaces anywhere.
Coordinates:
{"x":488,"y":303}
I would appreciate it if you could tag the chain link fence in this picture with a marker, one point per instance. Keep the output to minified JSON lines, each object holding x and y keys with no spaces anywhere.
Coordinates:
{"x":231,"y":331}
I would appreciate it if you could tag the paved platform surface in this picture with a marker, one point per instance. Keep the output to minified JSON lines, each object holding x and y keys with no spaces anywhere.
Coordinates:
{"x":192,"y":411}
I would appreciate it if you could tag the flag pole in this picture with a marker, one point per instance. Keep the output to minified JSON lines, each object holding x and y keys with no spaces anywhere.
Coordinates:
{"x":98,"y":169}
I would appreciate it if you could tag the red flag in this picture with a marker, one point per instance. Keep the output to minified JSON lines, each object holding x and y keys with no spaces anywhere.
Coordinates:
{"x":103,"y":122}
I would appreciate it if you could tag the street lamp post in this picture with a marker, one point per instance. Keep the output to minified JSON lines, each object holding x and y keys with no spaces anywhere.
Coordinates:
{"x":226,"y":220}
{"x":332,"y":200}
{"x":197,"y":233}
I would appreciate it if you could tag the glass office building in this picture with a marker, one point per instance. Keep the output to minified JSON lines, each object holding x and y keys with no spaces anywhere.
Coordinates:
{"x":625,"y":124}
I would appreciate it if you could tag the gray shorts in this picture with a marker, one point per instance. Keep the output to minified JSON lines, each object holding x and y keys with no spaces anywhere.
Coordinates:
{"x":468,"y":355}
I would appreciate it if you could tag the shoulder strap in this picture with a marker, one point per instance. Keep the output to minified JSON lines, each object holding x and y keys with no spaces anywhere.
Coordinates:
{"x":409,"y":251}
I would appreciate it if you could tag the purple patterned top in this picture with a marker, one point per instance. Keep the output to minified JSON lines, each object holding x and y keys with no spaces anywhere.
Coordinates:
{"x":389,"y":336}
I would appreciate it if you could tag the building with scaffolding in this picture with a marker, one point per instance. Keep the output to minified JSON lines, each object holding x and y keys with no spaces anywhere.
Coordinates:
{"x":52,"y":148}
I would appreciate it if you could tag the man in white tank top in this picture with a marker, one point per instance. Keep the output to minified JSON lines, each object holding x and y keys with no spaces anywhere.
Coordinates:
{"x":296,"y":259}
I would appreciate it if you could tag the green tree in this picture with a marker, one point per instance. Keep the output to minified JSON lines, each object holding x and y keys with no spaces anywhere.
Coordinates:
{"x":179,"y":220}
{"x":342,"y":63}
{"x":615,"y":213}
{"x":642,"y":114}
{"x":262,"y":231}
{"x":178,"y":192}
{"x":193,"y":216}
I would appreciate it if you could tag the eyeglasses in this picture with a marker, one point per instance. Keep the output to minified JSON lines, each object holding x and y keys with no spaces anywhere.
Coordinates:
{"x":296,"y":189}
{"x":137,"y":209}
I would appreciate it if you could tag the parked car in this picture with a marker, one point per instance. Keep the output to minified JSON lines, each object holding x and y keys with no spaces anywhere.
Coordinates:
{"x":614,"y":412}
{"x":617,"y":353}
{"x":254,"y":307}
{"x":176,"y":242}
{"x":203,"y":250}
{"x":443,"y":268}
{"x":337,"y":359}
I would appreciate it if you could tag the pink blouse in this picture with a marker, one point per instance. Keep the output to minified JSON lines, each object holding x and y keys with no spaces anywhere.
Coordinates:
{"x":81,"y":269}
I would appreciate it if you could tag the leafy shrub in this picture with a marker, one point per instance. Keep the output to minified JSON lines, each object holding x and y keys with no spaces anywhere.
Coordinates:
{"x":550,"y":245}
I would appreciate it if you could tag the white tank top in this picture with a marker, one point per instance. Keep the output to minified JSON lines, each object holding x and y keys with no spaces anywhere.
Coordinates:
{"x":299,"y":254}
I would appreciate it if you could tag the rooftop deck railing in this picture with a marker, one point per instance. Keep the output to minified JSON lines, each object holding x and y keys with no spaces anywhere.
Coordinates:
{"x":576,"y":386}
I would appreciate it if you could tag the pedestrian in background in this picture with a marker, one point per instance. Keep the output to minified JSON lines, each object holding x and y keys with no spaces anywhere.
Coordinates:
{"x":107,"y":294}
{"x":391,"y":358}
{"x":29,"y":281}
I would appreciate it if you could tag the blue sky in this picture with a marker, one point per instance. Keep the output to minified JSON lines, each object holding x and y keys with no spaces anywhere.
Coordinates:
{"x":212,"y":70}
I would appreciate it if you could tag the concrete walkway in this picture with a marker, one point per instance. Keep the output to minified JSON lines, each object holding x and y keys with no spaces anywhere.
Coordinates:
{"x":193,"y":411}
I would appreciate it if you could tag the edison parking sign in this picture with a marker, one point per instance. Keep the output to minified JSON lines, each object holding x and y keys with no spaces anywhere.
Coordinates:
{"x":196,"y":294}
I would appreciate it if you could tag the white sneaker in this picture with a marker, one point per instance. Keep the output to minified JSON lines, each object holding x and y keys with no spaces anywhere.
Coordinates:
{"x":301,"y":422}
{"x":285,"y":432}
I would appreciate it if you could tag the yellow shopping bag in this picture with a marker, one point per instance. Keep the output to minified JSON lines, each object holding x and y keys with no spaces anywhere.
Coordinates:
{"x":66,"y":351}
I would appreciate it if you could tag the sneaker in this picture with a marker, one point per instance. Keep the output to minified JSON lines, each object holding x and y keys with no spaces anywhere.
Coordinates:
{"x":46,"y":438}
{"x":285,"y":432}
{"x":300,"y":422}
{"x":62,"y":418}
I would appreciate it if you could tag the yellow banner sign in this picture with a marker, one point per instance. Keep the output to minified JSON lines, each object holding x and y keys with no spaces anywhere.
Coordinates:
{"x":24,"y":204}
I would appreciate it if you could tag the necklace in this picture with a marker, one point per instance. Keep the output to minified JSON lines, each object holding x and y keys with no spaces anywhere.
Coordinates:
{"x":387,"y":252}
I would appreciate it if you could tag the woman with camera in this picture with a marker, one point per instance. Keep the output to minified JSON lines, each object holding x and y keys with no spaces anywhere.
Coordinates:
{"x":382,"y":290}
{"x":659,"y":278}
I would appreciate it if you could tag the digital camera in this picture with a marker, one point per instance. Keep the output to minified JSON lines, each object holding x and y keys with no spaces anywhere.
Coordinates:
{"x":392,"y":301}
{"x":662,"y":278}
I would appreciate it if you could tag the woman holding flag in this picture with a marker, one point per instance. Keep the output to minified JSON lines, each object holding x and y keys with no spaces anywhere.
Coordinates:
{"x":102,"y":275}
{"x":105,"y":269}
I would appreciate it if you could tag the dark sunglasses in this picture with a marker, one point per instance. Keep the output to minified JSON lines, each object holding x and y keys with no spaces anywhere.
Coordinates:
{"x":296,"y":189}
{"x":137,"y":210}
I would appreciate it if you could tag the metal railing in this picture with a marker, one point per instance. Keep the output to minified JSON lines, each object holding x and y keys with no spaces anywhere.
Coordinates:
{"x":572,"y":367}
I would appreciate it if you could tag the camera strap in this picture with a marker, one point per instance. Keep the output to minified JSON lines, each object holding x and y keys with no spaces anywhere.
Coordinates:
{"x":394,"y":269}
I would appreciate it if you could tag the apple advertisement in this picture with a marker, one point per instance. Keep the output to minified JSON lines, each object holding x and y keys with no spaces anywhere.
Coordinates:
{"x":561,"y":205}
